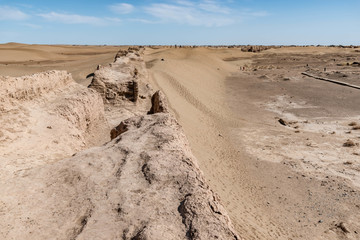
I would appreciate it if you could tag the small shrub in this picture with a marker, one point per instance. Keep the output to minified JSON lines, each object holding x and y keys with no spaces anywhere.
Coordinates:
{"x":352,"y":124}
{"x":357,"y":127}
{"x":349,"y":143}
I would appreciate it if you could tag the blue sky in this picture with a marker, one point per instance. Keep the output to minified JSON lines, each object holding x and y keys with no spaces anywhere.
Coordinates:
{"x":180,"y":22}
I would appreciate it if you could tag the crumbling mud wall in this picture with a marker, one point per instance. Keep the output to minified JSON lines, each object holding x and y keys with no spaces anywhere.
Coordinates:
{"x":256,"y":48}
{"x":143,"y":184}
{"x":45,"y":117}
{"x":29,"y":87}
{"x":122,"y":79}
{"x":123,"y":86}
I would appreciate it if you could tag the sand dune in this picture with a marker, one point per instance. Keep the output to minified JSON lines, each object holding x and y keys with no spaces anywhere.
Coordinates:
{"x":21,"y":59}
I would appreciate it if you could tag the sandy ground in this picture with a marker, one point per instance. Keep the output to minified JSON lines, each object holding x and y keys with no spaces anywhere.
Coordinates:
{"x":20,"y":59}
{"x":276,"y":182}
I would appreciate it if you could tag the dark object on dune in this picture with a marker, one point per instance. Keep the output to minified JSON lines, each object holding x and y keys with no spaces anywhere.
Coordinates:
{"x":342,"y":227}
{"x":352,"y":124}
{"x":349,"y":143}
{"x":282,"y":122}
{"x":357,"y":127}
{"x":90,"y":75}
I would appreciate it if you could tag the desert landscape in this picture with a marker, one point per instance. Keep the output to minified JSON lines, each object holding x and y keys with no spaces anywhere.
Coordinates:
{"x":185,"y":142}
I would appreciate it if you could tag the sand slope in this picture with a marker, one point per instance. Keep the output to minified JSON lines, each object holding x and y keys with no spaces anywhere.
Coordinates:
{"x":237,"y":139}
{"x":22,"y":59}
{"x":193,"y":81}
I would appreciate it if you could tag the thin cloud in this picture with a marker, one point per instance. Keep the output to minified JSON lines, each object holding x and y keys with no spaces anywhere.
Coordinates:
{"x":251,"y":13}
{"x":122,"y":8}
{"x":186,"y":3}
{"x":209,"y":13}
{"x":212,"y":6}
{"x":10,"y":13}
{"x":72,"y":18}
{"x":112,"y":19}
{"x":30,"y":25}
{"x":184,"y":13}
{"x":142,"y":20}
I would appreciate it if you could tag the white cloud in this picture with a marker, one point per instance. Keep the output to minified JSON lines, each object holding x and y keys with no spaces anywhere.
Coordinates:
{"x":122,"y":8}
{"x":212,"y":6}
{"x":202,"y":14}
{"x":72,"y":18}
{"x":9,"y":13}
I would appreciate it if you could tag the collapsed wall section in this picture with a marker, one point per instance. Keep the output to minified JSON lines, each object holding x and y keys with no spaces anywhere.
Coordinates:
{"x":122,"y":79}
{"x":123,"y":86}
{"x":29,"y":87}
{"x":46,"y":117}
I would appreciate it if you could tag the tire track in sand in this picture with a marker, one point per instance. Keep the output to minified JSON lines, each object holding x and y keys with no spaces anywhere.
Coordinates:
{"x":239,"y":201}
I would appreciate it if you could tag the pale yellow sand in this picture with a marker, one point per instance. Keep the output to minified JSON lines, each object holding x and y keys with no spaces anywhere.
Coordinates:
{"x":20,"y":59}
{"x":229,"y":131}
